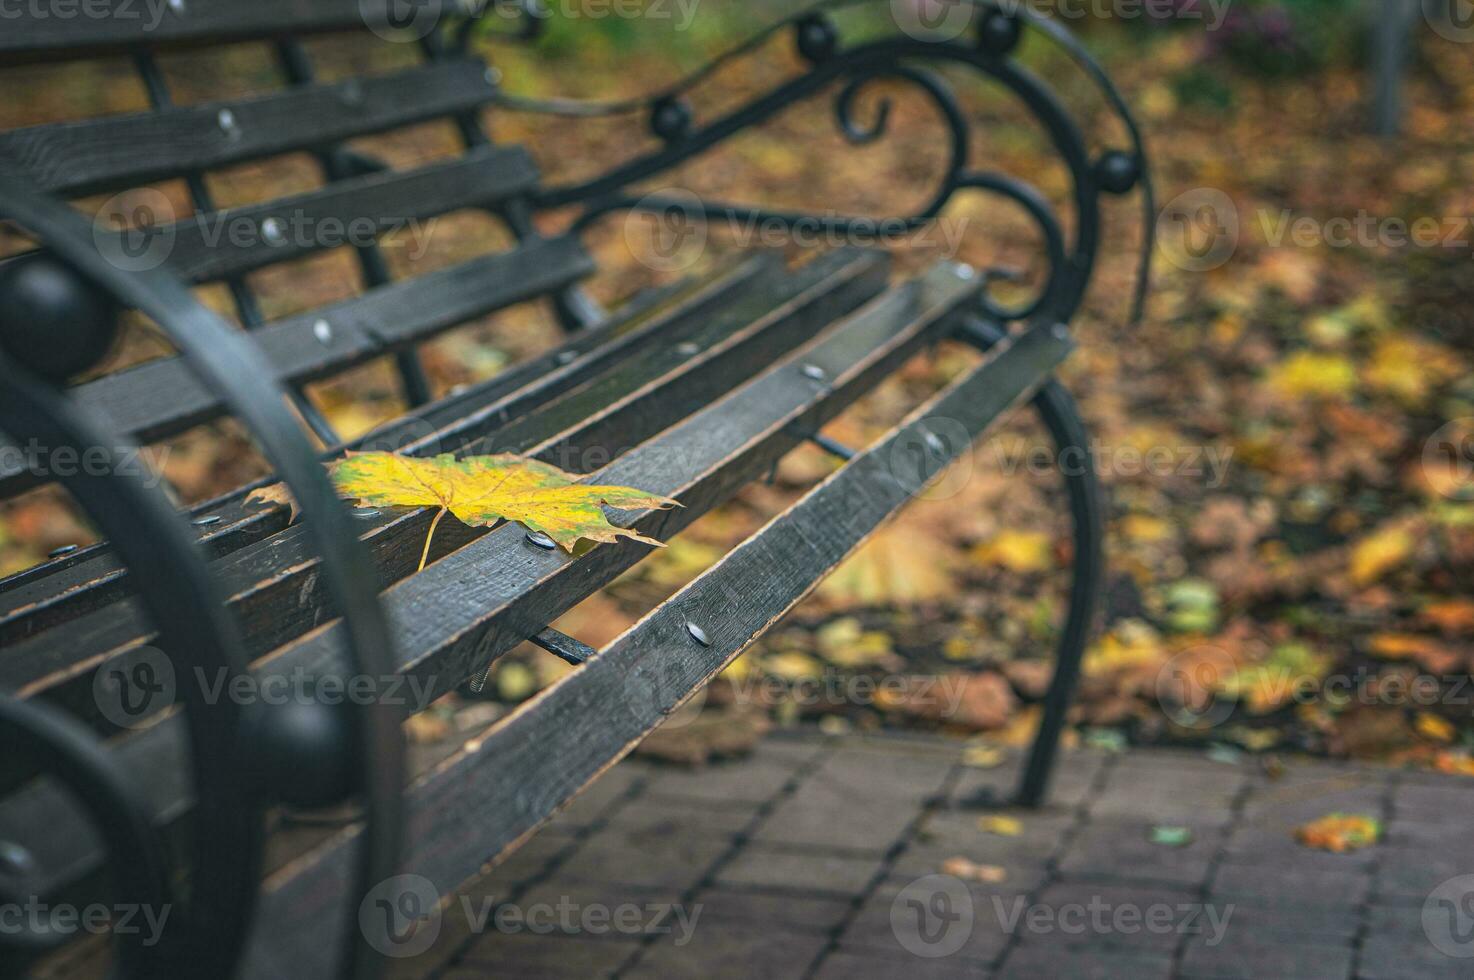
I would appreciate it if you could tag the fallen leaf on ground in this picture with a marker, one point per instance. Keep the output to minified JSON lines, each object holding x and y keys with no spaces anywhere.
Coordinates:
{"x":961,"y":867}
{"x":1340,"y":832}
{"x":483,"y":490}
{"x":1001,"y":826}
{"x":1434,"y":727}
{"x":1171,"y":836}
{"x":1018,"y":551}
{"x":1379,"y":553}
{"x":983,"y":757}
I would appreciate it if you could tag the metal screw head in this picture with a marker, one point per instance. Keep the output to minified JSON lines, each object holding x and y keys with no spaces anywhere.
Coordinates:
{"x":365,"y":515}
{"x":210,"y":521}
{"x":542,"y":541}
{"x":567,"y":357}
{"x":323,"y":331}
{"x":688,"y":348}
{"x":272,"y":231}
{"x":65,"y":549}
{"x":226,"y":120}
{"x":493,"y":76}
{"x":177,"y":6}
{"x":1061,"y":331}
{"x":698,"y":634}
{"x":966,"y":272}
{"x":352,"y":92}
{"x":934,"y":443}
{"x":814,"y":372}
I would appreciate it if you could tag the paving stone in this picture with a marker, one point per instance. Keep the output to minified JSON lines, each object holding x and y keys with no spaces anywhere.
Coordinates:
{"x":910,"y":776}
{"x":544,"y":957}
{"x":1268,"y":886}
{"x":874,"y":965}
{"x":956,"y":832}
{"x":731,"y":954}
{"x":744,"y":782}
{"x":1120,"y":849}
{"x":1309,"y":793}
{"x":825,"y":812}
{"x":810,"y":871}
{"x":1034,"y":964}
{"x":1169,"y":793}
{"x":1405,"y":876}
{"x":532,"y":859}
{"x":1259,"y":961}
{"x":677,"y":862}
{"x":890,"y":918}
{"x":778,"y":910}
{"x":1270,"y":840}
{"x":1435,"y":799}
{"x":653,"y":817}
{"x":1386,"y":957}
{"x":1154,"y":920}
{"x":1251,"y":921}
{"x":1073,"y":782}
{"x":600,"y":909}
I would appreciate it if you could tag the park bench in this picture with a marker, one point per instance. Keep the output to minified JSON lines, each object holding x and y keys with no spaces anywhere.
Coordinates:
{"x":125,"y":778}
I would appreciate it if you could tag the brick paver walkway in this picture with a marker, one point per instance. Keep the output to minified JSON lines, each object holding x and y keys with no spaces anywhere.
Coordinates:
{"x":818,"y":857}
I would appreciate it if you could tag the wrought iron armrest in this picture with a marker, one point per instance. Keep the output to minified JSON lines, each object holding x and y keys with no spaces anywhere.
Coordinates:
{"x":988,"y":50}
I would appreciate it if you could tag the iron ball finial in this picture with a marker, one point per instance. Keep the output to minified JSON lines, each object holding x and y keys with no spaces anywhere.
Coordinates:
{"x":52,"y":320}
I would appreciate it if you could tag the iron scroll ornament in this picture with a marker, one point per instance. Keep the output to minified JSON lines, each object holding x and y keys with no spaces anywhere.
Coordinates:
{"x":998,"y":32}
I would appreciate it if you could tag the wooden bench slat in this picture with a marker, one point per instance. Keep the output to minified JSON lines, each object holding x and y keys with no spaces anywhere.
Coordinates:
{"x":164,"y":397}
{"x":274,"y":584}
{"x":120,"y":151}
{"x":486,"y":598}
{"x":124,"y":24}
{"x":568,"y":735}
{"x":67,"y":587}
{"x":228,"y":243}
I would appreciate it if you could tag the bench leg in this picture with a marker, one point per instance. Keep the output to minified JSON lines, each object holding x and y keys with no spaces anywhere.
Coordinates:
{"x":1060,"y":415}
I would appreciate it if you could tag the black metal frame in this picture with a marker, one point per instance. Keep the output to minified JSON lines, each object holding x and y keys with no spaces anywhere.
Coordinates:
{"x":168,"y":567}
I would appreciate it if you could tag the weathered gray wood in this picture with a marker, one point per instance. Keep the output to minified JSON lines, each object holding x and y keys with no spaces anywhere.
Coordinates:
{"x":461,"y":814}
{"x":119,"y":151}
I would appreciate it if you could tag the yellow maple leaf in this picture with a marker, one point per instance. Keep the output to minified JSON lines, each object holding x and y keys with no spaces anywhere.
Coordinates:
{"x":1001,"y":826}
{"x":1315,"y":375}
{"x":1019,"y":551}
{"x":1410,"y":368}
{"x":1379,"y":553}
{"x":483,"y":490}
{"x":1340,"y":832}
{"x":1435,"y":727}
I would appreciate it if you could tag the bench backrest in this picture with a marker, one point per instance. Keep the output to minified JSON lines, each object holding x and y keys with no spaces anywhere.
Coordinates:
{"x":143,"y":175}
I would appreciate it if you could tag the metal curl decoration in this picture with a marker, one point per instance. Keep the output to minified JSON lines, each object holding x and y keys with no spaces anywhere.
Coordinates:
{"x":856,"y":68}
